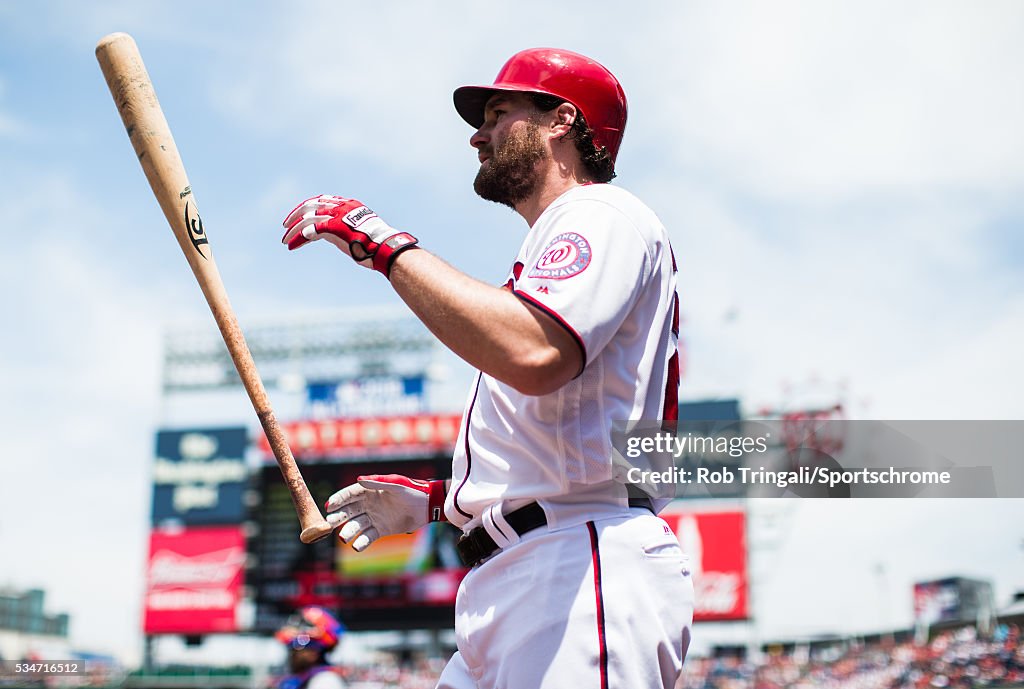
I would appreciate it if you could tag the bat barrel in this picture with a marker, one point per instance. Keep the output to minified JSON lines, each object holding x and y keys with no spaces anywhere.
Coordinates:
{"x":150,"y":135}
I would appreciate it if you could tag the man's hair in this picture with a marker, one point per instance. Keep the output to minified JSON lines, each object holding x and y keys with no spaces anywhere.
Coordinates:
{"x":598,"y":162}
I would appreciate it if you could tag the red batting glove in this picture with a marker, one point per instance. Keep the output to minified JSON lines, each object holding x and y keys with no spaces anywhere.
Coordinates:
{"x":349,"y":225}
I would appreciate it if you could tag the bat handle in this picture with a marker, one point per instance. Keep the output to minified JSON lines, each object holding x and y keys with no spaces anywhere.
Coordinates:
{"x":314,"y":526}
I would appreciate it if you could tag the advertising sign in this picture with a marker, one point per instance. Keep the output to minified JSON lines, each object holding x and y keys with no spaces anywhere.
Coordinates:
{"x":194,"y":580}
{"x":717,"y":545}
{"x":953,"y":599}
{"x":936,"y":601}
{"x":405,"y":436}
{"x":367,"y":396}
{"x":199,"y":476}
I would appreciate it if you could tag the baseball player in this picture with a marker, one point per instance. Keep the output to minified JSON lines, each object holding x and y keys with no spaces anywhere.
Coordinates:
{"x":310,"y":635}
{"x":575,"y":581}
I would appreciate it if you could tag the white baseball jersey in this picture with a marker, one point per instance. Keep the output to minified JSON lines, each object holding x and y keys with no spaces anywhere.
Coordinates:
{"x":598,"y":261}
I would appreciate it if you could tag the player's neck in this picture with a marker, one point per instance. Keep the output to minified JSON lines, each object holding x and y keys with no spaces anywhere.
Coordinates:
{"x":556,"y":180}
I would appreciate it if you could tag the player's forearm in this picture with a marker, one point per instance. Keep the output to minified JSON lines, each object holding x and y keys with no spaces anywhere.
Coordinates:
{"x":488,"y":327}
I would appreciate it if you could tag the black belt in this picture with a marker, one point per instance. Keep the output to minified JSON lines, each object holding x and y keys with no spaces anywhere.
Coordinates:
{"x":477,"y":545}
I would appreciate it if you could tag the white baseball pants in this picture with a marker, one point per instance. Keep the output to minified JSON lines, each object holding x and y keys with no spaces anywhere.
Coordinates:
{"x":607,"y":604}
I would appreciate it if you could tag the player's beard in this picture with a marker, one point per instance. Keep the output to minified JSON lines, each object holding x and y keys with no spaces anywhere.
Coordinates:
{"x":510,"y":175}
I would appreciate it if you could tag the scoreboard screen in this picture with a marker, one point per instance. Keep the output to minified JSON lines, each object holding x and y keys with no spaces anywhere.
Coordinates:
{"x":406,"y":581}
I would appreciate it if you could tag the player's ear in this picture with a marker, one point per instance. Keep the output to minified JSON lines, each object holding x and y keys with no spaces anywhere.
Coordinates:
{"x":565,"y":115}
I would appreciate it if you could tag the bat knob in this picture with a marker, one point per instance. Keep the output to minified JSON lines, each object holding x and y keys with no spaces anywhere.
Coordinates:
{"x":316,"y":532}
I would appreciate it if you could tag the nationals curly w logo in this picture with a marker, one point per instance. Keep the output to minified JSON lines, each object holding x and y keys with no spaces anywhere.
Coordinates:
{"x":566,"y":255}
{"x":195,"y":229}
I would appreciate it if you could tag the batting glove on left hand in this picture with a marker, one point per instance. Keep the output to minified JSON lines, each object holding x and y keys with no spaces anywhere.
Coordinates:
{"x":349,"y":225}
{"x":382,"y":505}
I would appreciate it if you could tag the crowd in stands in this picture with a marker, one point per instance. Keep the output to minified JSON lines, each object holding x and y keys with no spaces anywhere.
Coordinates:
{"x":419,"y":675}
{"x":956,"y":659}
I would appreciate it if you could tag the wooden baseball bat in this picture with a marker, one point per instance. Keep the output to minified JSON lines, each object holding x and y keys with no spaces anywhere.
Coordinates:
{"x":150,"y":135}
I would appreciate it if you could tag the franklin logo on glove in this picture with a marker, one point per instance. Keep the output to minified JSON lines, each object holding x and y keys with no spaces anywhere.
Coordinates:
{"x":356,"y":217}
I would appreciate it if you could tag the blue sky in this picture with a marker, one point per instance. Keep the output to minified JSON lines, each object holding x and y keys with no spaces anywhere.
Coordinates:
{"x":842,"y":183}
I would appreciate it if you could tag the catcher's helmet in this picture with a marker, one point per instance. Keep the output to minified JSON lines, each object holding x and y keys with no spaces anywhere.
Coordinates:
{"x":311,"y":626}
{"x":573,"y":77}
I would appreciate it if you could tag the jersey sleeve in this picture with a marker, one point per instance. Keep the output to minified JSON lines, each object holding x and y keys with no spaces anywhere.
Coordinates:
{"x":585,"y":270}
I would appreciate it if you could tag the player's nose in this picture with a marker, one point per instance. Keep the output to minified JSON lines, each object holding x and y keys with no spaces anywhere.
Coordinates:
{"x":479,"y":139}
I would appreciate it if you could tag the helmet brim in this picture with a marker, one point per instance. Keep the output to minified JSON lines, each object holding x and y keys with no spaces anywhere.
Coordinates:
{"x":471,"y":101}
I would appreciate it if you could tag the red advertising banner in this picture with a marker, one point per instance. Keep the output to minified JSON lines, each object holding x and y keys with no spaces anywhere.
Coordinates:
{"x":428,"y":433}
{"x":194,"y":580}
{"x":717,"y":545}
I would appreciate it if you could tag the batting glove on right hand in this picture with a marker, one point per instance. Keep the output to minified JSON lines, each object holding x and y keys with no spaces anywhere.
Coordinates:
{"x":349,"y":225}
{"x":382,"y":505}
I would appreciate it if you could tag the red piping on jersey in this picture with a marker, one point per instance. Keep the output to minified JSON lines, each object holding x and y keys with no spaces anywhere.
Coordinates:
{"x":602,"y":641}
{"x":675,"y":314}
{"x":670,"y":409}
{"x":469,"y":455}
{"x":561,"y":321}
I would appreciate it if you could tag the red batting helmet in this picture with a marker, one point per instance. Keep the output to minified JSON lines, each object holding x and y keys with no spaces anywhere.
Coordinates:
{"x":573,"y":77}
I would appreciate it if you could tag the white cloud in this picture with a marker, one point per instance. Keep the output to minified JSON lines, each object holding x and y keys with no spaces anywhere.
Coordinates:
{"x":976,"y":374}
{"x":800,"y":101}
{"x":775,"y":299}
{"x":812,"y":102}
{"x":803,"y":599}
{"x":347,"y":83}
